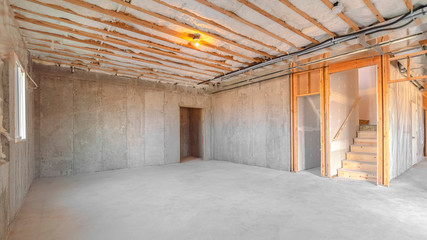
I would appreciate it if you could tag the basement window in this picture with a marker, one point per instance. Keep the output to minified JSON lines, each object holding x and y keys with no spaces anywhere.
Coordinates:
{"x":20,"y":110}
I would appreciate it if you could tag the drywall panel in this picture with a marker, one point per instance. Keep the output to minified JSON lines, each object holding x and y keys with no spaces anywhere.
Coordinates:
{"x":402,"y":96}
{"x":251,"y":125}
{"x":309,"y":152}
{"x":110,"y":122}
{"x":344,"y":93}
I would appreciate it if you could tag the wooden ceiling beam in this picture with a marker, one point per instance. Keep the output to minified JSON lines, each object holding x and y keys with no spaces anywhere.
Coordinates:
{"x":374,"y":10}
{"x":307,"y":17}
{"x":212,"y":35}
{"x":409,"y":5}
{"x":152,"y":26}
{"x":342,"y":16}
{"x":127,"y":27}
{"x":93,"y":61}
{"x":120,"y":42}
{"x":213,"y":23}
{"x":237,"y":18}
{"x":101,"y":44}
{"x":111,"y":69}
{"x":277,"y":20}
{"x":105,"y":60}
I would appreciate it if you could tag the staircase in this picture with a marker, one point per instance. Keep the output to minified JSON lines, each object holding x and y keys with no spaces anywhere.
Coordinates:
{"x":361,"y":161}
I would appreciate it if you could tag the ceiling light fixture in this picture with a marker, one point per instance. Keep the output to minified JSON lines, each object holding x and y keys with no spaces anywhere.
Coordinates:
{"x":196,"y":39}
{"x":338,"y":7}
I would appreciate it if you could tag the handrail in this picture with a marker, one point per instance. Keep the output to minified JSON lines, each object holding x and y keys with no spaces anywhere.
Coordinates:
{"x":346,"y":119}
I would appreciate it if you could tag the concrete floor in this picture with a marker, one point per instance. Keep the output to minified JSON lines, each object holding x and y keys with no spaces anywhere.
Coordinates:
{"x":221,"y":200}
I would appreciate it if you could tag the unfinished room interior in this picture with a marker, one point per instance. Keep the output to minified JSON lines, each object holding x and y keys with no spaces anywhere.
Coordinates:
{"x":213,"y":119}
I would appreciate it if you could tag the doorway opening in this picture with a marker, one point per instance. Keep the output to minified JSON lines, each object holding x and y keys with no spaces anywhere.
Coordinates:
{"x":353,"y":123}
{"x":191,"y":134}
{"x":309,"y":134}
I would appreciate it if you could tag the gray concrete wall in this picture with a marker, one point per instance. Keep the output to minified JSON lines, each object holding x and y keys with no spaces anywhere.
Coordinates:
{"x":17,"y":160}
{"x":401,"y":97}
{"x":184,"y":133}
{"x":251,"y":125}
{"x":344,"y":92}
{"x":309,"y":152}
{"x":94,"y":122}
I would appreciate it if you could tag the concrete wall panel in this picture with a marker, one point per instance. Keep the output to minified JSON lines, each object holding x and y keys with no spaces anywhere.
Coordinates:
{"x":56,"y":139}
{"x":154,"y":127}
{"x":251,"y":125}
{"x":87,"y":139}
{"x":110,"y":122}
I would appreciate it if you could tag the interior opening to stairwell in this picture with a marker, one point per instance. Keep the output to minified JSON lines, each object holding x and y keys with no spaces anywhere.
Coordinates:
{"x":353,"y":123}
{"x":191,"y":134}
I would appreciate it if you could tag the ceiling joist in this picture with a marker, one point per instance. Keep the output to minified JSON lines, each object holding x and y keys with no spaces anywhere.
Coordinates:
{"x":342,"y":16}
{"x":97,"y":58}
{"x":124,"y":26}
{"x":120,"y":35}
{"x":374,"y":10}
{"x":277,"y":20}
{"x":129,"y":18}
{"x":213,"y":23}
{"x":102,"y":41}
{"x":307,"y":17}
{"x":236,"y":17}
{"x":162,"y":17}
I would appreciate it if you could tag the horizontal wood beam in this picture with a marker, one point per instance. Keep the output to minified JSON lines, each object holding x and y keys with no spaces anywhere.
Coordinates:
{"x":342,"y":16}
{"x":307,"y":17}
{"x":423,"y":52}
{"x":374,"y":10}
{"x":105,"y":52}
{"x":408,"y":79}
{"x":215,"y":36}
{"x":106,"y":38}
{"x":213,"y":23}
{"x":276,"y":19}
{"x":91,"y":65}
{"x":127,"y":27}
{"x":103,"y":45}
{"x":96,"y":58}
{"x":236,"y":17}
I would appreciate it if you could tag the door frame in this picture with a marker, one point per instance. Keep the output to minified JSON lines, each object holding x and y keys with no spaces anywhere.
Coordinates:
{"x":294,"y":117}
{"x":382,"y":116}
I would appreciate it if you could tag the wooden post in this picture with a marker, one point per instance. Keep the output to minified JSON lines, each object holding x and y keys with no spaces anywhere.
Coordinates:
{"x":385,"y":98}
{"x":322,"y":123}
{"x":327,"y":123}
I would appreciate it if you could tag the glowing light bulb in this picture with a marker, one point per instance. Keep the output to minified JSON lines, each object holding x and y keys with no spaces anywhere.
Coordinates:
{"x":196,"y":44}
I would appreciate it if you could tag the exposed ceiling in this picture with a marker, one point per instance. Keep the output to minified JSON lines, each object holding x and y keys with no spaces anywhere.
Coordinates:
{"x":154,"y":39}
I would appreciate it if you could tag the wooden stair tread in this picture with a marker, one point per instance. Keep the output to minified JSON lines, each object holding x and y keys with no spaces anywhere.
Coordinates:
{"x":357,"y":171}
{"x":363,"y":153}
{"x":361,"y":162}
{"x":363,"y":145}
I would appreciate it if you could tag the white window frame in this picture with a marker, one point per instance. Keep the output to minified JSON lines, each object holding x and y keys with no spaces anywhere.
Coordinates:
{"x":19,"y":96}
